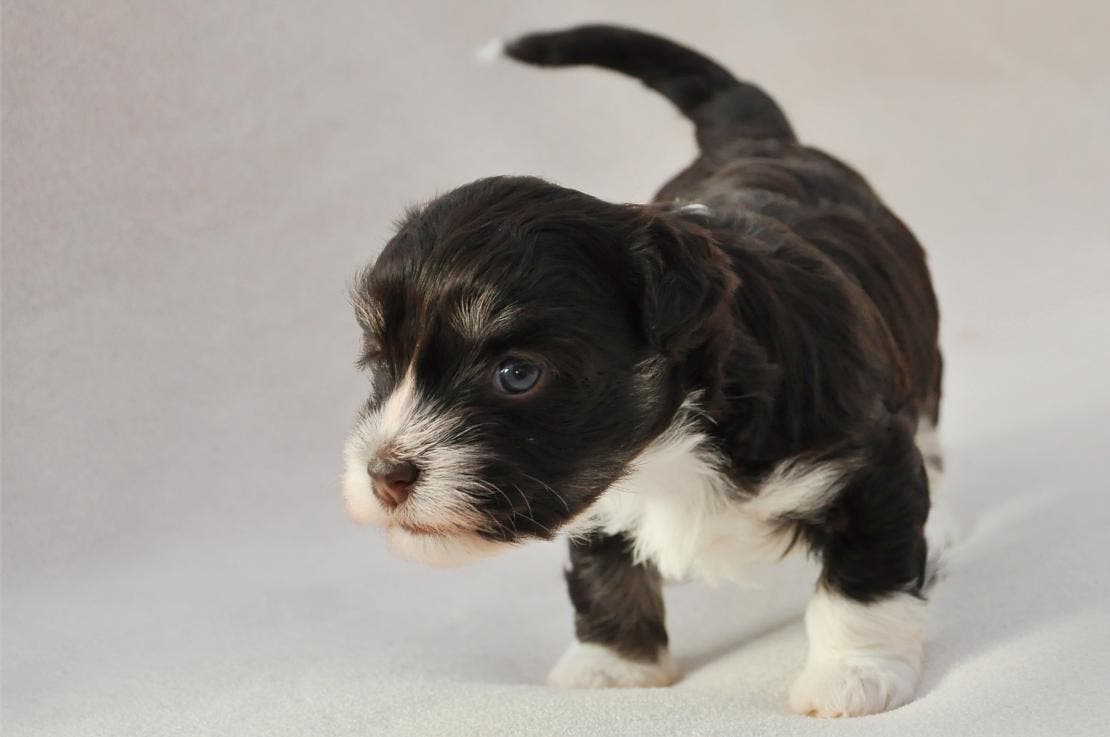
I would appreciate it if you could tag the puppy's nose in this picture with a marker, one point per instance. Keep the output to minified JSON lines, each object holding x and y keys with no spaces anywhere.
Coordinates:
{"x":392,"y":480}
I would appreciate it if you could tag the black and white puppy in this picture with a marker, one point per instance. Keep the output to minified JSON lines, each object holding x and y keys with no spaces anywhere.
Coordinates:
{"x":745,"y":366}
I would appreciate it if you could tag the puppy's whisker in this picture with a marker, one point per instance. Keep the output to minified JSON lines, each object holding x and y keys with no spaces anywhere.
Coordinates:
{"x":697,"y":411}
{"x":529,"y":516}
{"x":549,"y":488}
{"x":525,"y":498}
{"x":459,"y":434}
{"x":491,"y":488}
{"x":538,"y":524}
{"x":494,"y":520}
{"x":737,"y":397}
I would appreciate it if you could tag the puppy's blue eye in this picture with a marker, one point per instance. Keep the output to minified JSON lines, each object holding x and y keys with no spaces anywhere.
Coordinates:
{"x":516,"y":376}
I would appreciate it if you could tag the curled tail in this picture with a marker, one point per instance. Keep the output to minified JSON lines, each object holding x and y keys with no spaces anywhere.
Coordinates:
{"x":721,"y":107}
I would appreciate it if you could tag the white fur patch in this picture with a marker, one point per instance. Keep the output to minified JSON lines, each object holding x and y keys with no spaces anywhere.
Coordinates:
{"x":399,"y":410}
{"x":588,"y":665}
{"x":863,"y":658}
{"x":928,"y":444}
{"x":685,"y":516}
{"x":479,"y":316}
{"x":798,"y":489}
{"x":941,"y":530}
{"x":695,"y":208}
{"x":368,"y":312}
{"x":437,"y":524}
{"x":490,"y":51}
{"x":444,"y":551}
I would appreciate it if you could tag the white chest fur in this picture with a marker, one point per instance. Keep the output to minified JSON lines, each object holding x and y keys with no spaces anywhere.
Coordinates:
{"x":684,"y":515}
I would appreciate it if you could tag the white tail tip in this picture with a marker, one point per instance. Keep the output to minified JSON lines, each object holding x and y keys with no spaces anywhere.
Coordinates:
{"x":491,"y":51}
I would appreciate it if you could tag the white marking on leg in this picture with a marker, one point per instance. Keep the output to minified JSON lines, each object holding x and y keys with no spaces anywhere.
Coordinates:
{"x":589,"y":665}
{"x":863,"y":658}
{"x":941,"y":530}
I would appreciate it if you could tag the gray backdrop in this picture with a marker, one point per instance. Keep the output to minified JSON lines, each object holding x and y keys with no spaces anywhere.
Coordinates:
{"x":187,"y":188}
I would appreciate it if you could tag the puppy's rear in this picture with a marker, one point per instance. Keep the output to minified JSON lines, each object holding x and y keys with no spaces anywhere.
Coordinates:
{"x":751,"y":163}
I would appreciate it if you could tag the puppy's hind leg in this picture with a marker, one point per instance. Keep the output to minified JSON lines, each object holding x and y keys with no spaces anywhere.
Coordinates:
{"x":866,"y":622}
{"x":621,"y":640}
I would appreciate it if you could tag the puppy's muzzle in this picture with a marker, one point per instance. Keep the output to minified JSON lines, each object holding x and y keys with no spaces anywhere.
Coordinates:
{"x":392,"y":481}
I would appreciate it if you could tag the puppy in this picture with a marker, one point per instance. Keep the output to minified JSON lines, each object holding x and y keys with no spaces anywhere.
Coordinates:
{"x":745,"y":366}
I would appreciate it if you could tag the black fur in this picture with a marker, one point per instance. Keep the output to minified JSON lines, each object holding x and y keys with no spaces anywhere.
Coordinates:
{"x":871,"y":538}
{"x":617,"y":602}
{"x":721,"y":106}
{"x":799,"y":309}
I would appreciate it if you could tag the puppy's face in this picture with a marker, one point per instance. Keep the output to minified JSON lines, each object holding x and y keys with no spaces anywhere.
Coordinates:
{"x":512,"y":375}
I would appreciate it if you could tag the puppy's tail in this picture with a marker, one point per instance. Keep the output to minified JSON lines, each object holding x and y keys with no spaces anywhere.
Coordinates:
{"x":721,"y":107}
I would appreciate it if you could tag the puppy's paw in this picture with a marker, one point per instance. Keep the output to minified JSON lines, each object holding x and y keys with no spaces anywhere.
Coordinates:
{"x":586,"y":665}
{"x":853,"y":685}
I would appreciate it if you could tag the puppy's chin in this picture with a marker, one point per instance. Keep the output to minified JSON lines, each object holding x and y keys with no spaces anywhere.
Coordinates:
{"x":444,"y":549}
{"x":448,"y":550}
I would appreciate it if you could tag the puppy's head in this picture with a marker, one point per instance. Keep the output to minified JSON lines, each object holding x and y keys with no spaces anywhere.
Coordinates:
{"x":524,"y":342}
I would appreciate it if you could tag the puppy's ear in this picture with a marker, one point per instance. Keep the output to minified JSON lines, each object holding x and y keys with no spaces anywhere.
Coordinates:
{"x":685,"y":284}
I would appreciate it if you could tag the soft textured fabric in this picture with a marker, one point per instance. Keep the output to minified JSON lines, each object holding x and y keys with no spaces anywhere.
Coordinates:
{"x":188,"y":187}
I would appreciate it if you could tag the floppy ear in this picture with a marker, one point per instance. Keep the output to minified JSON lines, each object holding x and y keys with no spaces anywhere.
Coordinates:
{"x":686,"y":285}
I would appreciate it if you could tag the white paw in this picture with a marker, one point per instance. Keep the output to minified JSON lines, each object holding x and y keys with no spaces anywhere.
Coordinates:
{"x":853,"y":685}
{"x":586,"y":665}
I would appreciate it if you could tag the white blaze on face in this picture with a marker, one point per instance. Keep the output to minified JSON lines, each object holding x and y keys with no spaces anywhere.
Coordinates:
{"x":370,"y":436}
{"x":437,"y":523}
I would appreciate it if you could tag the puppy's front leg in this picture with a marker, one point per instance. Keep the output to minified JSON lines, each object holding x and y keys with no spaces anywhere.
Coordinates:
{"x":866,"y":622}
{"x":621,"y":640}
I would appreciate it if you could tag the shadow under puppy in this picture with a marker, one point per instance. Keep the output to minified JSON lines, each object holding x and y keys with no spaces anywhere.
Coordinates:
{"x":745,"y":366}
